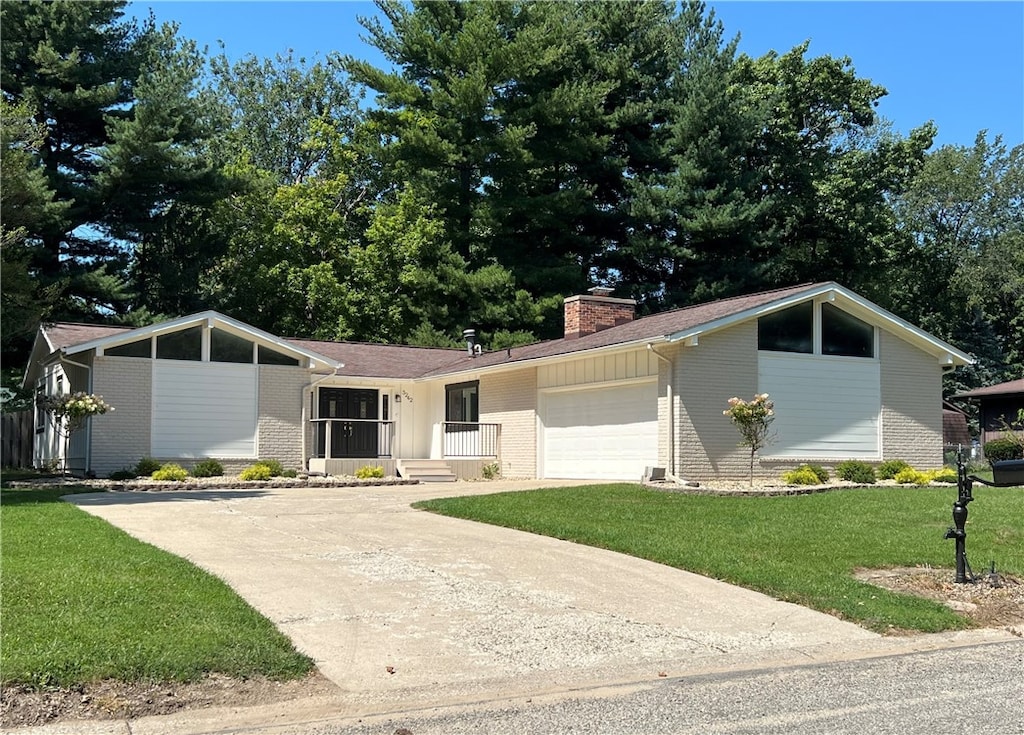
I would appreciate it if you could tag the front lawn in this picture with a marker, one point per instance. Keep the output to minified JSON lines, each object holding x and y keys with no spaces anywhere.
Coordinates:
{"x":802,"y":549}
{"x":83,"y":601}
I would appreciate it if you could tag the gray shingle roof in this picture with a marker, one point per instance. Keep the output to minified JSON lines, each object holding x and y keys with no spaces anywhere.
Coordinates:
{"x":66,"y":334}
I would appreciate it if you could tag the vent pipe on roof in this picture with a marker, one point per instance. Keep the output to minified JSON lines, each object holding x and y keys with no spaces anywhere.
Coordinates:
{"x":472,"y":348}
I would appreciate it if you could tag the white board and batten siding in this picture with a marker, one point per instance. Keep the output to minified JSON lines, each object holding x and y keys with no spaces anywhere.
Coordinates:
{"x":826,"y":408}
{"x":204,"y":409}
{"x":599,"y":417}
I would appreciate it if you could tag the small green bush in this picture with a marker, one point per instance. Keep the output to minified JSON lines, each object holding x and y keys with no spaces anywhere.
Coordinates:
{"x":819,"y":471}
{"x":491,"y":471}
{"x":289,"y":473}
{"x":853,"y":470}
{"x":802,"y":475}
{"x":170,"y":472}
{"x":258,"y":471}
{"x":208,"y":468}
{"x":888,"y":469}
{"x":273,"y":465}
{"x":946,"y":474}
{"x":1004,"y":448}
{"x":366,"y":472}
{"x":122,"y":474}
{"x":146,"y":467}
{"x":910,"y":476}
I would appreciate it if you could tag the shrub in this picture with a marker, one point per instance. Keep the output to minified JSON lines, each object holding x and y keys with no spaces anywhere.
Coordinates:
{"x":273,"y":465}
{"x":208,"y":468}
{"x":170,"y":472}
{"x":888,"y":469}
{"x":491,"y":471}
{"x":289,"y":473}
{"x":258,"y":471}
{"x":122,"y":474}
{"x":820,"y":472}
{"x":853,"y":470}
{"x":1004,"y":448}
{"x":802,"y":475}
{"x":946,"y":474}
{"x":753,"y":420}
{"x":909,"y":476}
{"x":366,"y":472}
{"x":146,"y":467}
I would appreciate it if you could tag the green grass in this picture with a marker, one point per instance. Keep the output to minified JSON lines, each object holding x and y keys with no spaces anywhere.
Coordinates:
{"x":802,"y":549}
{"x":82,"y":601}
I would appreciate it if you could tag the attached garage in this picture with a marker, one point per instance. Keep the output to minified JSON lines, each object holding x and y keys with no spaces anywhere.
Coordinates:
{"x":604,"y":433}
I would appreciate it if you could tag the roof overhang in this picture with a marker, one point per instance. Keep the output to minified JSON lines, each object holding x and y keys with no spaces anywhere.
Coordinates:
{"x":208,"y":319}
{"x":945,"y":353}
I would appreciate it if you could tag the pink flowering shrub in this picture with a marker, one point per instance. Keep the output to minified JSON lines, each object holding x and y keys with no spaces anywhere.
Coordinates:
{"x":753,"y":420}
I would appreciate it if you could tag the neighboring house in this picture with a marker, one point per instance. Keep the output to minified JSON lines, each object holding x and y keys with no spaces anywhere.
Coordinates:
{"x":954,"y":426}
{"x":997,"y":404}
{"x":615,"y":395}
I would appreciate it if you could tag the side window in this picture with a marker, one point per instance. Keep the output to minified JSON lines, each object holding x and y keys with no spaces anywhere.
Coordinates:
{"x":462,"y":402}
{"x":140,"y":348}
{"x":268,"y":356}
{"x":789,"y":330}
{"x":845,"y":334}
{"x":226,"y":347}
{"x":184,"y":345}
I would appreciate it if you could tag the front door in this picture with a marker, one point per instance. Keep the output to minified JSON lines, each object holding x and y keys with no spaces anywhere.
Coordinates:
{"x":356,"y":437}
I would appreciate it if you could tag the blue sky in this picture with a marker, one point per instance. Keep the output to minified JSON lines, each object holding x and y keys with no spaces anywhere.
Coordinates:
{"x":959,"y":64}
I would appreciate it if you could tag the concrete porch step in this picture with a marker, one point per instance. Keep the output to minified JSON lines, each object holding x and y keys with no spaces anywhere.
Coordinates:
{"x":425,"y":470}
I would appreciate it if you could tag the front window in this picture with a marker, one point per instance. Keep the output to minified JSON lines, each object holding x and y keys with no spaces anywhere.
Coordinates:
{"x":462,"y":402}
{"x":789,"y":330}
{"x":845,"y":334}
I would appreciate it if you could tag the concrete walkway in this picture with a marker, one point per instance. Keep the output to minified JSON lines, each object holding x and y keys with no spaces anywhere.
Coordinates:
{"x":403,"y":608}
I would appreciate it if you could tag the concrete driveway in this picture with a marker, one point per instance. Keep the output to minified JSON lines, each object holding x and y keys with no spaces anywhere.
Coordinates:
{"x":403,"y":608}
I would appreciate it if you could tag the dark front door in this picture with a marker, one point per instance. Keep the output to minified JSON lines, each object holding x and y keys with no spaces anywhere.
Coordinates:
{"x":356,"y":437}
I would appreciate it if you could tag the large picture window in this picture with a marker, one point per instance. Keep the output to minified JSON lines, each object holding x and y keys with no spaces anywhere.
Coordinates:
{"x":845,"y":334}
{"x":462,"y":402}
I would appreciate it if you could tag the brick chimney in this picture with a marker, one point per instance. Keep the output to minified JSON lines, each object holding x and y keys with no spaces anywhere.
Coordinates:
{"x":586,"y":314}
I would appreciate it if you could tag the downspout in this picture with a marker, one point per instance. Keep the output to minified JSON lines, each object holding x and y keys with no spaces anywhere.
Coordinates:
{"x":307,"y":391}
{"x":671,"y":409}
{"x":88,"y":426}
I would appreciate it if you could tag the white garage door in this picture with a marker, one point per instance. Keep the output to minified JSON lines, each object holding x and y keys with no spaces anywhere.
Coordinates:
{"x":600,"y":433}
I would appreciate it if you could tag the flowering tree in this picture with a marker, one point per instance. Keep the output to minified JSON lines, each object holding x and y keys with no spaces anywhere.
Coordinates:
{"x":753,"y":420}
{"x":70,"y":411}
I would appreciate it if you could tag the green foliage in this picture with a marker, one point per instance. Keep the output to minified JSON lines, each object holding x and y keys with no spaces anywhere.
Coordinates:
{"x":367,"y":472}
{"x":84,"y":602}
{"x":170,"y":472}
{"x":208,"y":468}
{"x":1003,"y":448}
{"x":820,"y":472}
{"x":802,"y":475}
{"x":290,"y":473}
{"x":853,"y":470}
{"x":122,"y":474}
{"x":146,"y":467}
{"x":910,"y":476}
{"x":946,"y":474}
{"x":491,"y":471}
{"x":255,"y":472}
{"x":888,"y":469}
{"x":275,"y":467}
{"x":742,"y":541}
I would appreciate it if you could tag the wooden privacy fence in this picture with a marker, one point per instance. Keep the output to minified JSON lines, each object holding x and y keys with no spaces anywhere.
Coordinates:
{"x":16,"y":439}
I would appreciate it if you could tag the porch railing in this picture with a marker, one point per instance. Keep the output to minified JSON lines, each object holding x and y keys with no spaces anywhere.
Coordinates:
{"x":353,"y":438}
{"x":471,"y":439}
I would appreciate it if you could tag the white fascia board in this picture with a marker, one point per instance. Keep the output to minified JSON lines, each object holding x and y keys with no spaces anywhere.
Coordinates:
{"x":205,"y":318}
{"x":871,"y":312}
{"x":539,"y":361}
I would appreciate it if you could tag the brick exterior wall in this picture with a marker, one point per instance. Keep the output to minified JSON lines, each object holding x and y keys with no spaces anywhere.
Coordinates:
{"x":122,"y":437}
{"x":510,"y":399}
{"x":588,"y":314}
{"x":911,"y":403}
{"x":280,"y":414}
{"x":722,"y":365}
